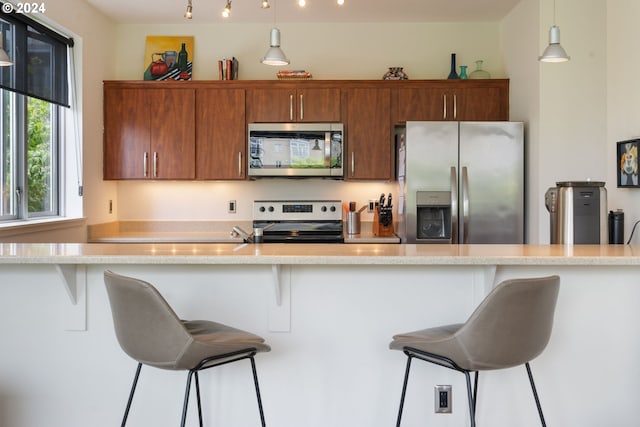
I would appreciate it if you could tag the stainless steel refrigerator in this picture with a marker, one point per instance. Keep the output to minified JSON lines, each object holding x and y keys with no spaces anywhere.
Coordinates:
{"x":461,"y":182}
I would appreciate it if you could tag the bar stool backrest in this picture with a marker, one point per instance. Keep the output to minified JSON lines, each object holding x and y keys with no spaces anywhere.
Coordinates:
{"x":147,"y":328}
{"x":512,"y":325}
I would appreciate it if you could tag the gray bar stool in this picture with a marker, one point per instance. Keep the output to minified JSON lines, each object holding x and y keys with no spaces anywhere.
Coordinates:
{"x":149,"y":331}
{"x":509,"y":328}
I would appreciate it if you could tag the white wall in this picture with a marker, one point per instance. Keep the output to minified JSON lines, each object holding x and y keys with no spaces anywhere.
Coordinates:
{"x":94,"y":35}
{"x":573,"y":119}
{"x":520,"y":44}
{"x":335,"y":51}
{"x":564,"y":104}
{"x":623,"y":100}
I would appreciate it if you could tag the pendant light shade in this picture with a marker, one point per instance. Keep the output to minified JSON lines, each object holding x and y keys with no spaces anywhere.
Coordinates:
{"x":275,"y":55}
{"x":5,"y":61}
{"x":554,"y":52}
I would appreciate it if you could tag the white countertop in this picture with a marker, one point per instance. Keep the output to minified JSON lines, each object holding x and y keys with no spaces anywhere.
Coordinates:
{"x":319,"y":254}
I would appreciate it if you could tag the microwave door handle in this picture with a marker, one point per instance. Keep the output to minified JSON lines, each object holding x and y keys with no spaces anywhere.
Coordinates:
{"x":454,"y":205}
{"x":327,"y":149}
{"x":465,"y":205}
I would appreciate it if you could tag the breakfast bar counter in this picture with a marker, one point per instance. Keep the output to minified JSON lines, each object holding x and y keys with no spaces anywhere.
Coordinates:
{"x":328,"y":311}
{"x":317,"y":254}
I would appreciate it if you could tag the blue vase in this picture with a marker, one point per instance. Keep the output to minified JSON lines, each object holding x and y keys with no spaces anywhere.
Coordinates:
{"x":453,"y":74}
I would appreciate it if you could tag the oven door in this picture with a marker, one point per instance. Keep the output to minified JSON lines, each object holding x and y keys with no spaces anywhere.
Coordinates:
{"x":301,"y":231}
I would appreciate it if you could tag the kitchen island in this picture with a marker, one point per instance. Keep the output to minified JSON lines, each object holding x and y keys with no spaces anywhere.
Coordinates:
{"x":329,"y":312}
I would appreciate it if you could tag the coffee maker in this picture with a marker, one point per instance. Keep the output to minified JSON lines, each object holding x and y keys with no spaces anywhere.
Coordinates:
{"x":577,"y":212}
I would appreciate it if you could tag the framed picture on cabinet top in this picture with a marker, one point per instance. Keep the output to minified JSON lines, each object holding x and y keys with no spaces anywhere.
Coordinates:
{"x":627,"y":163}
{"x":168,"y":58}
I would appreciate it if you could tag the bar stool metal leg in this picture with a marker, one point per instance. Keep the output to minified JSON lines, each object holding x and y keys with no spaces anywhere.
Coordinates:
{"x":198,"y":397}
{"x":255,"y":381}
{"x":475,"y":393}
{"x":404,"y":389}
{"x":185,"y":405}
{"x":471,"y":397}
{"x":133,"y":389}
{"x":535,"y":395}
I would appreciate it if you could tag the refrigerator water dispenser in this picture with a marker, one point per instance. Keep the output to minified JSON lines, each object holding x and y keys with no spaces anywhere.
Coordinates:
{"x":433,"y":216}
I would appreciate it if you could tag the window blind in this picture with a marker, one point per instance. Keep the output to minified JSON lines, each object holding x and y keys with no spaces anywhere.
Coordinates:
{"x":40,"y":57}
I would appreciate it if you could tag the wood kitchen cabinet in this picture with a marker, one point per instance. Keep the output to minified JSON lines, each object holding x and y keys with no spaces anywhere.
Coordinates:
{"x":149,"y":133}
{"x":291,"y":103}
{"x":369,"y":139}
{"x":456,"y":100}
{"x":221,"y":143}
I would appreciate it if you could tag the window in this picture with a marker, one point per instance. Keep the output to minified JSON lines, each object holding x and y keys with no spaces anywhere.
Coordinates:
{"x":33,"y":100}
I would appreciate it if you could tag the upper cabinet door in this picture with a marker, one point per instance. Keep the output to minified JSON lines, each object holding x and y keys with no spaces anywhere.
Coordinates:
{"x":452,"y":100}
{"x":368,"y":134}
{"x":291,"y":104}
{"x":318,"y":105}
{"x":173,"y":148}
{"x":126,"y":134}
{"x":149,"y":133}
{"x":488,"y":102}
{"x":221,"y":143}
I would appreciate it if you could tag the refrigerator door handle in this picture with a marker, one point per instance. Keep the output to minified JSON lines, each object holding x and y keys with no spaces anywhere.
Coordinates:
{"x":454,"y":205}
{"x":465,"y":205}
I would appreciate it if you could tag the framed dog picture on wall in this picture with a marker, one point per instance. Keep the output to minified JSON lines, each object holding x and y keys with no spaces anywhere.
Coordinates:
{"x":627,"y":163}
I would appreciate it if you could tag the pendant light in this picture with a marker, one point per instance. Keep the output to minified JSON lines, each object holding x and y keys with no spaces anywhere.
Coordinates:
{"x":5,"y":61}
{"x":275,"y":55}
{"x":554,"y":52}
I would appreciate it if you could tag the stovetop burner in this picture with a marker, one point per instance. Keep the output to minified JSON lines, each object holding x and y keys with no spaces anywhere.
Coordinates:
{"x":292,"y":221}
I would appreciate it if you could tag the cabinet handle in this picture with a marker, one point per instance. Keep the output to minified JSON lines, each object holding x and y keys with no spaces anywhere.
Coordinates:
{"x":455,"y":107}
{"x":444,"y":109}
{"x":301,"y":107}
{"x":291,"y":107}
{"x":145,"y":164}
{"x":239,"y":163}
{"x":155,"y":164}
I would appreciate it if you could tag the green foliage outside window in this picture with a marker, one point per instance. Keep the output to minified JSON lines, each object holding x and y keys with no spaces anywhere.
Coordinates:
{"x":39,"y":155}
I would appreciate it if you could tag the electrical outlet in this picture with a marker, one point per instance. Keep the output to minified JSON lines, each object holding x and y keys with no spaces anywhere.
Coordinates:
{"x":110,"y":206}
{"x":443,"y":399}
{"x":231,"y":207}
{"x":371,"y":206}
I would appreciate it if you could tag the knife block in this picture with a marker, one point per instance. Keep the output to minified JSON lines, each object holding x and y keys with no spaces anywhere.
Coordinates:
{"x":380,"y":229}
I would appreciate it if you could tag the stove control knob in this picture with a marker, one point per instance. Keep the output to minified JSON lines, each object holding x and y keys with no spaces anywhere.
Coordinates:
{"x":332,"y":209}
{"x":262,"y":209}
{"x":323,"y":209}
{"x":271,"y":209}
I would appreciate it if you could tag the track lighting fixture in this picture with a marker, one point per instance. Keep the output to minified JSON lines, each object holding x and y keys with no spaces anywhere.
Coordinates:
{"x":265,"y":4}
{"x":340,"y":2}
{"x":189,"y":12}
{"x":227,"y":9}
{"x":302,"y":3}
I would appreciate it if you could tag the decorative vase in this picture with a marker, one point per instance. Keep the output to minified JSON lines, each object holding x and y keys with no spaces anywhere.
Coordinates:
{"x":463,"y":72}
{"x":453,"y":74}
{"x":479,"y":73}
{"x":395,"y":73}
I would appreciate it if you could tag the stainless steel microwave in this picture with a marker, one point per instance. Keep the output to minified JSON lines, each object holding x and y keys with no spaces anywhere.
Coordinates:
{"x":296,"y":150}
